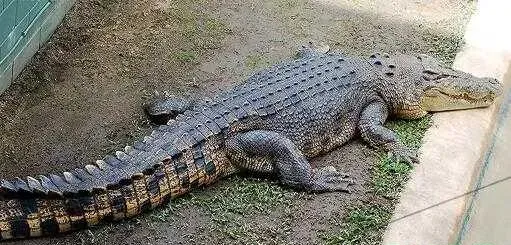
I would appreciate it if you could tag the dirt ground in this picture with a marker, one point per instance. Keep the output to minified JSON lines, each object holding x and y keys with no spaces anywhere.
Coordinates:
{"x":80,"y":98}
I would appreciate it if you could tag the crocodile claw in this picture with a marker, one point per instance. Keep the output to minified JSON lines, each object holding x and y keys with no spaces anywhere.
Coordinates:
{"x":328,"y":179}
{"x":404,"y":154}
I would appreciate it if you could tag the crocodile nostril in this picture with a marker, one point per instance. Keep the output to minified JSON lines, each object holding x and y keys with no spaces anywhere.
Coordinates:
{"x":493,"y":86}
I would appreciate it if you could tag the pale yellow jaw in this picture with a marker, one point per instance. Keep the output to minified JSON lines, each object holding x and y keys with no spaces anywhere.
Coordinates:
{"x":435,"y":100}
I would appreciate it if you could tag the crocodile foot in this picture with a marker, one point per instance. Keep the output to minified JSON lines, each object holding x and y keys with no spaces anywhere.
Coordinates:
{"x":404,"y":154}
{"x":165,"y":107}
{"x":328,"y":179}
{"x":312,"y":49}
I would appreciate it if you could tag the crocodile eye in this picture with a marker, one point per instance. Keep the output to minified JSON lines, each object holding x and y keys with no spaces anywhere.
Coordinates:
{"x":429,"y":75}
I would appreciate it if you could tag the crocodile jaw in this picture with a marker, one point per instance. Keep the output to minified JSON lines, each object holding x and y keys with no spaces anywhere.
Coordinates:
{"x":457,"y":93}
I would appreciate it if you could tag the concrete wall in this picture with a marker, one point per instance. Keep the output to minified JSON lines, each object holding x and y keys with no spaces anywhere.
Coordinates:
{"x":25,"y":25}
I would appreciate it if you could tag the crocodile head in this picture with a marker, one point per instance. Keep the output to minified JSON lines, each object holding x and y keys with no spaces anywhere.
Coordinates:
{"x":447,"y":89}
{"x":439,"y":88}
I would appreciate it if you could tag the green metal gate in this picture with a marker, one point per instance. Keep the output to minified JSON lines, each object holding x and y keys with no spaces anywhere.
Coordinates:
{"x":24,"y":26}
{"x":16,"y":19}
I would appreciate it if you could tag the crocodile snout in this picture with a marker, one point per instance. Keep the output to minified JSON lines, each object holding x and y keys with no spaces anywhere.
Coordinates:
{"x":494,"y":86}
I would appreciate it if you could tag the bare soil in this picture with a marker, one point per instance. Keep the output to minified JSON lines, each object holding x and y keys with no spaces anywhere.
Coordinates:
{"x":80,"y":98}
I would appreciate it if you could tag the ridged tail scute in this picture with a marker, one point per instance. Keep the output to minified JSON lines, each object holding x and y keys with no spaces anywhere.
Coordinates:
{"x":140,"y":178}
{"x":186,"y":153}
{"x":48,"y":204}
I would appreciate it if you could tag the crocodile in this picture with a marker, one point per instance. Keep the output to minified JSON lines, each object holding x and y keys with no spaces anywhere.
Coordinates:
{"x":272,"y":124}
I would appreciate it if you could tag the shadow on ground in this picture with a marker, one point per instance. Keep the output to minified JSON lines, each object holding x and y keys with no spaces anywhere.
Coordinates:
{"x":80,"y":98}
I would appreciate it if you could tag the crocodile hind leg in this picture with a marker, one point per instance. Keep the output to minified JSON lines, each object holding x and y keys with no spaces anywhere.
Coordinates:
{"x":271,"y":153}
{"x":163,"y":108}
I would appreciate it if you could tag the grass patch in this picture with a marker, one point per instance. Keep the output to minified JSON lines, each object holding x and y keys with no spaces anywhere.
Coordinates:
{"x":389,"y":176}
{"x":216,"y":27}
{"x":230,"y":202}
{"x":255,"y":61}
{"x":362,"y":226}
{"x":235,"y":195}
{"x":201,"y":32}
{"x":186,"y":56}
{"x":411,"y":132}
{"x":366,"y":223}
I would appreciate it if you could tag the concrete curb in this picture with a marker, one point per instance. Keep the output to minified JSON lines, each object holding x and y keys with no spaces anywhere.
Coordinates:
{"x":35,"y":37}
{"x":485,"y":216}
{"x":453,"y":148}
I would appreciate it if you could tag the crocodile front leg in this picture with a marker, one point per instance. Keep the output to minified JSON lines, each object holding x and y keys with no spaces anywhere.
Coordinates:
{"x":372,"y":130}
{"x":271,"y":153}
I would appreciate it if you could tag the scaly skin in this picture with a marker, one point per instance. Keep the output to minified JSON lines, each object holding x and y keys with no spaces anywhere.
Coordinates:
{"x":273,"y":123}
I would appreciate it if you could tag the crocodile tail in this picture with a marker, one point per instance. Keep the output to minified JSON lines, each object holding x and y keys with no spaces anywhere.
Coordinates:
{"x":74,"y":200}
{"x":33,"y":214}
